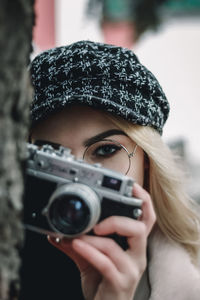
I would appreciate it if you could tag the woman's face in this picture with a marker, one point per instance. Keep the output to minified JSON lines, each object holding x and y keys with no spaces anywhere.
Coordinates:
{"x":78,"y":127}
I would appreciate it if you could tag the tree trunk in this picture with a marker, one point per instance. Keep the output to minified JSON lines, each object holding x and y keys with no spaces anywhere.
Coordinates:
{"x":16,"y":21}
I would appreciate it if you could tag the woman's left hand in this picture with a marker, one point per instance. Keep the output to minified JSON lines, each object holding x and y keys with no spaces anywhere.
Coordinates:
{"x":107,"y":271}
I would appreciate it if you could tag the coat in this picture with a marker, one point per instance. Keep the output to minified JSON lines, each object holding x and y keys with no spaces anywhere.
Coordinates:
{"x":170,"y":274}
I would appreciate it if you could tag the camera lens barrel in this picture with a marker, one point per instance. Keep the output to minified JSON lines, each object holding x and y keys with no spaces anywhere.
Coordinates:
{"x":73,"y":209}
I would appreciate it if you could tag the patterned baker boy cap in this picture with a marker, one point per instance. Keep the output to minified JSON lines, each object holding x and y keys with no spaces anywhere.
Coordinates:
{"x":98,"y":75}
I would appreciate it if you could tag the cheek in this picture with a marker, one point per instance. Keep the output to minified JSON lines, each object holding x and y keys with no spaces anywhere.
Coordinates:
{"x":137,"y":168}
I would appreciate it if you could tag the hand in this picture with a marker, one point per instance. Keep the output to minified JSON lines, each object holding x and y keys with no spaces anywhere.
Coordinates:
{"x":107,"y":271}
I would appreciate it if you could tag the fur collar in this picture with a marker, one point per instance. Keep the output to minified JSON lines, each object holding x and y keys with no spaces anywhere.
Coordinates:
{"x":170,"y":274}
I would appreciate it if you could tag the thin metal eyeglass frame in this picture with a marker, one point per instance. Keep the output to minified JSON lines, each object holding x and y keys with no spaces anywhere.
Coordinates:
{"x":130,"y":155}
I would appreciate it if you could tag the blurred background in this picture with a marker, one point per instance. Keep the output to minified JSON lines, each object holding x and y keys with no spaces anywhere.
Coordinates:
{"x":165,"y":35}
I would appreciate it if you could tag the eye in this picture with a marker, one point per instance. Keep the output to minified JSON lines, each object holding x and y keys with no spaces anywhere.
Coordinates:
{"x":105,"y":151}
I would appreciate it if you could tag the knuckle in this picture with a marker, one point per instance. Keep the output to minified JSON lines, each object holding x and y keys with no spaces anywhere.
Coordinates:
{"x":137,"y":272}
{"x":133,"y":276}
{"x":126,"y":281}
{"x":142,"y":230}
{"x":147,"y":197}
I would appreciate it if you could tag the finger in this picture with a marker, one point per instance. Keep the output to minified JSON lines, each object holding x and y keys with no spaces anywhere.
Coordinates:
{"x":148,"y":213}
{"x":134,"y":230}
{"x":97,"y":259}
{"x":65,"y":247}
{"x":110,"y":248}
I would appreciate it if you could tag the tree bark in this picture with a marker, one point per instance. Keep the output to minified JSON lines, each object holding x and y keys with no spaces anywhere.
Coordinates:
{"x":16,"y":21}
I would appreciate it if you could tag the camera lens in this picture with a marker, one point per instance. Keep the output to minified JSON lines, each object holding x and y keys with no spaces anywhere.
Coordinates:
{"x":73,"y":209}
{"x":69,"y":214}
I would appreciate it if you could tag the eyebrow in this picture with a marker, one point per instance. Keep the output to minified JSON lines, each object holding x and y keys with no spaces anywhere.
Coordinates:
{"x":102,"y":136}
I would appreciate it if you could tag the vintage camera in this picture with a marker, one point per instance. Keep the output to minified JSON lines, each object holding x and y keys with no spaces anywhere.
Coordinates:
{"x":67,"y":197}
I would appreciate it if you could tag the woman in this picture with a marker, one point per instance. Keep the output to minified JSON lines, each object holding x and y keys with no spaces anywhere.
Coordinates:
{"x":99,"y":101}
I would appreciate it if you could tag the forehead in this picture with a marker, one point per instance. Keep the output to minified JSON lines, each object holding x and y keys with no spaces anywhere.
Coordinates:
{"x":79,"y":121}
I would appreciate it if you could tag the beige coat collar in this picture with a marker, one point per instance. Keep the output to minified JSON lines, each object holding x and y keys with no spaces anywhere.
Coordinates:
{"x":170,"y":274}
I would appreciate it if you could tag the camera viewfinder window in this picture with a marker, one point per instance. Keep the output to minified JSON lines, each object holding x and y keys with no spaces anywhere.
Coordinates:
{"x":111,"y":183}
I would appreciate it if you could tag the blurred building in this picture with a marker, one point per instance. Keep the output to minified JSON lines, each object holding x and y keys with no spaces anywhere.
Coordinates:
{"x":45,"y":25}
{"x":122,"y":22}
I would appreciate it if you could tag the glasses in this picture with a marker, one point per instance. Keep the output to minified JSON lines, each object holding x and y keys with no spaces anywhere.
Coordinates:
{"x":110,"y":154}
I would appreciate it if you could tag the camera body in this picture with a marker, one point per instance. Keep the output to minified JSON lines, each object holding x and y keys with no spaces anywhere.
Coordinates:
{"x":67,"y":197}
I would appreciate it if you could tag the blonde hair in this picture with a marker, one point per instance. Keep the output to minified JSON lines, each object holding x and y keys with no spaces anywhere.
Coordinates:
{"x":175,"y":211}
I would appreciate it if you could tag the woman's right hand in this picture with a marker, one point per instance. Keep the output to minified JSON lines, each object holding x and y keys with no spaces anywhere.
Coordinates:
{"x":107,"y":271}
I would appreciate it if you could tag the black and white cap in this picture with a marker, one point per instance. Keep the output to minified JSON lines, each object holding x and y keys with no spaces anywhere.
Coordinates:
{"x":98,"y":75}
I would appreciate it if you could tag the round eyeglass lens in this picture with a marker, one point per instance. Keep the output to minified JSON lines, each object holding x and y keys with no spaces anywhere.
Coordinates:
{"x":110,"y":154}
